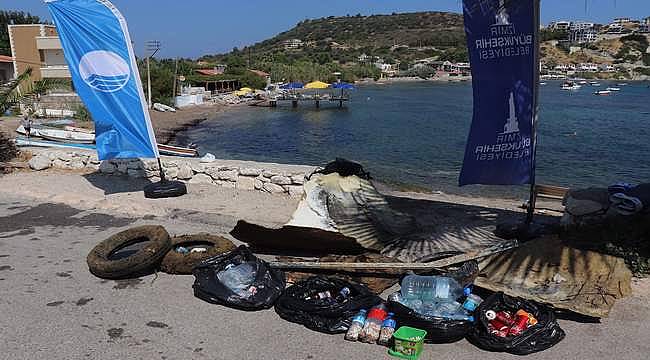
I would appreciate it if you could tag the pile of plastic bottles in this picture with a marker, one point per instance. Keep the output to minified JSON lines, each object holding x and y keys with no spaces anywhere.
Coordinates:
{"x":504,"y":323}
{"x":437,"y":296}
{"x":376,"y":325}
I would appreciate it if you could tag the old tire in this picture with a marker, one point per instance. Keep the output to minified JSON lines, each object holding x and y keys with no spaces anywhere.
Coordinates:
{"x":146,"y":258}
{"x":182,"y":264}
{"x":165,"y":189}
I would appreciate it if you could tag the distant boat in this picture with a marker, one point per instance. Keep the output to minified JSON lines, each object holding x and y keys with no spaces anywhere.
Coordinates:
{"x":568,"y":85}
{"x":594,"y":83}
{"x":602,"y":92}
{"x":67,"y":136}
{"x":613,"y":89}
{"x":583,"y":82}
{"x":621,"y":84}
{"x":543,"y":83}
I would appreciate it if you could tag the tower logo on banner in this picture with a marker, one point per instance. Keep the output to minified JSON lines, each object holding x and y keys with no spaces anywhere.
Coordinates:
{"x":500,"y":41}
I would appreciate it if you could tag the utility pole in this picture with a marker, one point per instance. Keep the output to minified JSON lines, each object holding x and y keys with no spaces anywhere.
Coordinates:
{"x":152,"y":47}
{"x":175,"y":79}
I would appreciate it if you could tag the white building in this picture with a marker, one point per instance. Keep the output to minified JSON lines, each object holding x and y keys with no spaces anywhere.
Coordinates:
{"x":581,"y":25}
{"x":292,"y":44}
{"x":622,"y":20}
{"x":587,"y":67}
{"x":560,"y":25}
{"x":583,"y":36}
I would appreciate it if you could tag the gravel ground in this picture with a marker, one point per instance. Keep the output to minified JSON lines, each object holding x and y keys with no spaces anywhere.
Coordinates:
{"x":52,"y":308}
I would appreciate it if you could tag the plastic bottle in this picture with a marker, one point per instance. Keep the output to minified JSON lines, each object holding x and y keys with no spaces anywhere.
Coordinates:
{"x":438,"y":288}
{"x":372,"y":326}
{"x":238,"y":278}
{"x":387,"y":329}
{"x":472,"y":302}
{"x":343,"y":295}
{"x":357,"y":325}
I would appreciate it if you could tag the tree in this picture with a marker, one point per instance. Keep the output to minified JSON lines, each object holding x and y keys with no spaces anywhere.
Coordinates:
{"x":16,"y":91}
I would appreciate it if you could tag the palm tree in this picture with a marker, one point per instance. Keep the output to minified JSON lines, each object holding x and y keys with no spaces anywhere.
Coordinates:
{"x":11,"y":93}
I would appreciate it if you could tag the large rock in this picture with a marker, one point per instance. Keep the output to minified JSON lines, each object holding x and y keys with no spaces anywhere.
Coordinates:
{"x":77,"y":164}
{"x":228,"y":175}
{"x":269,"y":173}
{"x":298,"y":179}
{"x":52,"y":155}
{"x":185,"y":172}
{"x":67,"y":156}
{"x":149,"y":164}
{"x":259,"y":185}
{"x":250,"y":172}
{"x":93,"y":159}
{"x":213,"y":172}
{"x":107,"y":167}
{"x":246,"y":183}
{"x":263,"y":179}
{"x":225,"y":183}
{"x":122,"y":167}
{"x":201,"y":179}
{"x":171,"y":172}
{"x":39,"y":162}
{"x":273,"y":188}
{"x":281,"y":180}
{"x":134,"y":165}
{"x":197,"y":167}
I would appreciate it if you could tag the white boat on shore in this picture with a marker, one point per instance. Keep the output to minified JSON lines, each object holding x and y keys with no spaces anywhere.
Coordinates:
{"x":67,"y":136}
{"x":163,"y":108}
{"x":613,"y":89}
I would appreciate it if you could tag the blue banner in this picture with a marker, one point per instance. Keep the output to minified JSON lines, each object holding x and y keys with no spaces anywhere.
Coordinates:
{"x":501,"y":39}
{"x":98,"y":51}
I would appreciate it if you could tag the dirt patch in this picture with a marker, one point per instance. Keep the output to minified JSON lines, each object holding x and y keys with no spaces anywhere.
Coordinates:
{"x":157,"y":324}
{"x":115,"y":333}
{"x":127,"y":283}
{"x":54,"y":303}
{"x":83,"y":301}
{"x":56,"y":215}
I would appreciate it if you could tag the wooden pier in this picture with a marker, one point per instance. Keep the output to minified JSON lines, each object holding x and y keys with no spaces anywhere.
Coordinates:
{"x":314,"y":99}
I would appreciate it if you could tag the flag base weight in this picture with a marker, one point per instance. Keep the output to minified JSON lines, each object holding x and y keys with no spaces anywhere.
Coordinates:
{"x":165,"y":189}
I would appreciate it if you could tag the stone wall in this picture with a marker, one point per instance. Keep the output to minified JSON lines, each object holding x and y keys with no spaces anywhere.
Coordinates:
{"x":244,"y":175}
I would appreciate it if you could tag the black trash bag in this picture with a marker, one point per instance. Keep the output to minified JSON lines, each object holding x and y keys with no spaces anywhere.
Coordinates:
{"x":439,"y":330}
{"x":543,"y":335}
{"x":344,"y":168}
{"x":322,"y":315}
{"x":265,"y":288}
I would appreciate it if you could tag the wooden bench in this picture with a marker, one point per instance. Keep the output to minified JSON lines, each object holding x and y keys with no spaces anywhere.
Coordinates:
{"x":550,"y":192}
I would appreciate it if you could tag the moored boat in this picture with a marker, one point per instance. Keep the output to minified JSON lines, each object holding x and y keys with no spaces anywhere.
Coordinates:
{"x":613,"y":89}
{"x":66,"y":136}
{"x":569,"y":85}
{"x":602,"y":92}
{"x":177,"y":151}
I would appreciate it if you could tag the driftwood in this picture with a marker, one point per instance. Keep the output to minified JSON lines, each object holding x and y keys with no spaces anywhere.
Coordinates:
{"x":433,"y":265}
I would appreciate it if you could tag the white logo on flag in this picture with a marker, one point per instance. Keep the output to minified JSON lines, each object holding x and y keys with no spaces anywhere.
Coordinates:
{"x":512,"y":123}
{"x":104,"y":70}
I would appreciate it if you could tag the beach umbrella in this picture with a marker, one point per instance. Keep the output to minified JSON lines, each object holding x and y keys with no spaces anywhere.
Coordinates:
{"x":317,"y":85}
{"x":292,"y":85}
{"x":343,"y":85}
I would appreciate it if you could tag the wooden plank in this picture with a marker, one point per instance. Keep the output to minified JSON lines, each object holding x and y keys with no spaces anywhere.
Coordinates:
{"x":434,"y":265}
{"x":551,"y":192}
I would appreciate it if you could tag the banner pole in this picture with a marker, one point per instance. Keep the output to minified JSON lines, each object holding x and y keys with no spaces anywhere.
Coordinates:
{"x":533,"y":197}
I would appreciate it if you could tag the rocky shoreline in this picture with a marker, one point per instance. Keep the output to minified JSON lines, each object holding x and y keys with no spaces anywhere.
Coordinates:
{"x":245,"y":175}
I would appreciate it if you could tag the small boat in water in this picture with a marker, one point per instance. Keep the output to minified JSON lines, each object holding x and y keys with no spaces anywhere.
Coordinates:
{"x":621,"y":84}
{"x":583,"y":82}
{"x":594,"y":83}
{"x":66,"y":136}
{"x":613,"y":89}
{"x":602,"y":92}
{"x":177,"y":151}
{"x":569,"y":85}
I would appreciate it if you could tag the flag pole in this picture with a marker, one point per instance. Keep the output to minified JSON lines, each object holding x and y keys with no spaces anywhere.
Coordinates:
{"x":533,"y":196}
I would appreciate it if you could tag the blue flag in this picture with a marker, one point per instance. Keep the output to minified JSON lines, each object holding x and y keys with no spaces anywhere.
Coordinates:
{"x":98,"y":51}
{"x":501,"y":40}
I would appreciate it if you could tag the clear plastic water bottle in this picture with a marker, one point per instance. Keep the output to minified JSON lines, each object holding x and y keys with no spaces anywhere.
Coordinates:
{"x":357,"y":325}
{"x":238,"y":278}
{"x":387,"y":330}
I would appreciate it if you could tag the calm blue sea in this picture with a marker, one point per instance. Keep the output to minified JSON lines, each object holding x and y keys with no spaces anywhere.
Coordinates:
{"x":413,"y":135}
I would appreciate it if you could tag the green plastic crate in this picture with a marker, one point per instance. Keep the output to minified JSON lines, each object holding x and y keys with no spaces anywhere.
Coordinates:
{"x":408,"y":342}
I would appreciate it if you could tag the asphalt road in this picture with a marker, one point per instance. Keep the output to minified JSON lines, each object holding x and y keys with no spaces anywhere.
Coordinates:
{"x":51,"y":307}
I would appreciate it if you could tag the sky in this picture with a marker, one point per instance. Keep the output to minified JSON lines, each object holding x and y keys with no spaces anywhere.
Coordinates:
{"x":191,"y":28}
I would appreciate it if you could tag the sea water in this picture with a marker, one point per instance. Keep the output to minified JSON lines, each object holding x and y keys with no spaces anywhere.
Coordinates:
{"x":413,"y":135}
